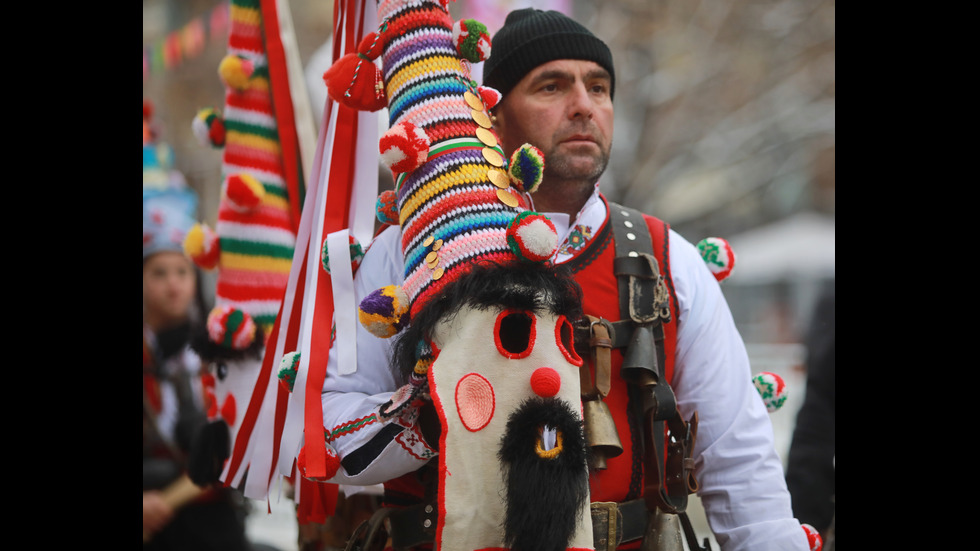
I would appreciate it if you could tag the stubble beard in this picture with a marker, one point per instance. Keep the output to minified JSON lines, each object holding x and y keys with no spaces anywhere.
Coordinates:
{"x":563,"y":167}
{"x":568,"y":182}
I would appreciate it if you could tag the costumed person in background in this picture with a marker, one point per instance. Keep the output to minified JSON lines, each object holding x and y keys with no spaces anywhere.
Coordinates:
{"x":811,"y":473}
{"x":556,"y":82}
{"x":176,"y":513}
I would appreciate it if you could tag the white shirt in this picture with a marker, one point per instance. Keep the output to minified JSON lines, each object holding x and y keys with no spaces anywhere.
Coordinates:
{"x":742,"y":490}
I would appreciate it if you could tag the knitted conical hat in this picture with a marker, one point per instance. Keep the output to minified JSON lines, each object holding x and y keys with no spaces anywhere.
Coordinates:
{"x":251,"y":246}
{"x":457,"y":203}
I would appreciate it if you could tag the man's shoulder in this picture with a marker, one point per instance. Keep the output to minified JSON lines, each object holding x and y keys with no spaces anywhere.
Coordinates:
{"x":677,"y":248}
{"x":623,"y":210}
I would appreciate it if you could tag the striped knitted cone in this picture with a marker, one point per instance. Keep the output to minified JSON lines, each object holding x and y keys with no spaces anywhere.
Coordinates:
{"x":454,"y":209}
{"x":254,"y":230}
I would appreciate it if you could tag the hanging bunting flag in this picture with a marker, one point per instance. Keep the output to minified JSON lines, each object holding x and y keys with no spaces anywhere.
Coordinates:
{"x":187,"y":42}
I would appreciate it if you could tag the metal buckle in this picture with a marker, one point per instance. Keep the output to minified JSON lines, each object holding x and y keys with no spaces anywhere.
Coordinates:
{"x":606,"y":525}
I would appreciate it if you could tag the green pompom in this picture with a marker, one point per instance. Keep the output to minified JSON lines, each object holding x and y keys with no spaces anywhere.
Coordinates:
{"x":288,"y":368}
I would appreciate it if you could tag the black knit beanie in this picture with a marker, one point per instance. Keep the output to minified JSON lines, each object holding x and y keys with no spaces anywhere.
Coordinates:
{"x":531,"y":37}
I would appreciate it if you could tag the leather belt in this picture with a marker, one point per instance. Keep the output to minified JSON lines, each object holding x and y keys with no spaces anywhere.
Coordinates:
{"x":612,"y":524}
{"x":620,"y":333}
{"x":617,"y":523}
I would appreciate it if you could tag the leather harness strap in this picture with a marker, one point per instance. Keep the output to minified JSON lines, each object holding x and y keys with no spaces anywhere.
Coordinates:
{"x":668,"y":474}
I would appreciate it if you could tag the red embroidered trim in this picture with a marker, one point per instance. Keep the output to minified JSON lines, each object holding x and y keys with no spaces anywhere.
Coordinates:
{"x":352,"y":426}
{"x":409,"y":438}
{"x":532,"y":333}
{"x":569,"y":352}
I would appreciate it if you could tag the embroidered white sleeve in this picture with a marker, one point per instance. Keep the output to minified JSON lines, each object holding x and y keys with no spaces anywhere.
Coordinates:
{"x":743,"y":489}
{"x":372,"y":450}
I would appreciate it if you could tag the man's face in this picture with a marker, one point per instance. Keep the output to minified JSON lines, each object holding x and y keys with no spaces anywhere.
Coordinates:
{"x":564,"y":109}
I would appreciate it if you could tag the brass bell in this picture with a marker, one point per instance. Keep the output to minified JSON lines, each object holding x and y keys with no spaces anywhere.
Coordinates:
{"x":640,"y":361}
{"x":600,"y":433}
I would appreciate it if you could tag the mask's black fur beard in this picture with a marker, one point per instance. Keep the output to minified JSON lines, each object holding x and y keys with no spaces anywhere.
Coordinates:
{"x":544,"y":496}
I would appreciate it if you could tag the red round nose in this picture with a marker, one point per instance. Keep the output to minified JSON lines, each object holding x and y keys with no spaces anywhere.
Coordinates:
{"x":545,"y":382}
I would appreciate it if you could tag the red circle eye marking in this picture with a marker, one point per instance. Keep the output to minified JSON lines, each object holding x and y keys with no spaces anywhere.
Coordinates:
{"x":514,"y":332}
{"x":566,"y":342}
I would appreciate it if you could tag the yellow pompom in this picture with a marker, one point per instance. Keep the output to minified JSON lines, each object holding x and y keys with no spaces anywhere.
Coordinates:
{"x":236,"y":71}
{"x":385,"y":311}
{"x":201,"y":245}
{"x":244,"y":191}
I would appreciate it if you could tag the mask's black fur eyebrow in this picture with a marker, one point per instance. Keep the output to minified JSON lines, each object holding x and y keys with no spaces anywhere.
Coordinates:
{"x":522,"y":285}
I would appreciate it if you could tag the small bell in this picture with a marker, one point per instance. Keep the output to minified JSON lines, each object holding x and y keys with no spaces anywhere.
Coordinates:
{"x":663,"y":533}
{"x":600,"y":433}
{"x":640,"y":361}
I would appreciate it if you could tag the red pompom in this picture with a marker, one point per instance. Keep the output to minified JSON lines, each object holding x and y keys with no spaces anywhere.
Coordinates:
{"x":813,"y":538}
{"x":491,"y":97}
{"x":532,"y":237}
{"x":545,"y":382}
{"x":404,"y":147}
{"x":332,"y":464}
{"x":355,"y":81}
{"x":244,"y":192}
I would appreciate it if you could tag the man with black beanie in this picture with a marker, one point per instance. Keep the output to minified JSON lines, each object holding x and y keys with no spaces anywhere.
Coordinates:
{"x":557,"y":81}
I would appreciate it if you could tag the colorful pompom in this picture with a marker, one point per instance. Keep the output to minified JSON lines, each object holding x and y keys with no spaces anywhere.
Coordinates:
{"x":387,"y":207}
{"x":813,"y":537}
{"x":355,"y":81}
{"x":472,"y":40}
{"x":236,"y":71}
{"x":331,"y":467}
{"x":532,"y":237}
{"x":404,"y":147}
{"x":356,"y":254}
{"x":526,"y":168}
{"x":718,"y":255}
{"x":772,"y":388}
{"x":209,"y":127}
{"x":385,"y":311}
{"x":203,"y":246}
{"x":244,"y":192}
{"x":231,"y":328}
{"x":491,"y":97}
{"x":288,"y":368}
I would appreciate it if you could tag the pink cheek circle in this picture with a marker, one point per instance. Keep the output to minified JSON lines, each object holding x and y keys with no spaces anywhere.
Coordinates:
{"x":474,"y":401}
{"x":545,"y":382}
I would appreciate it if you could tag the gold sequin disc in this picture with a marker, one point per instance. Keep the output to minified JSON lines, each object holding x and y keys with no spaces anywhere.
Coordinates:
{"x":486,"y":137}
{"x":431,"y":257}
{"x":507,"y":198}
{"x":481,"y":118}
{"x":473,"y":100}
{"x":498,"y":178}
{"x":437,"y":273}
{"x":493,"y":157}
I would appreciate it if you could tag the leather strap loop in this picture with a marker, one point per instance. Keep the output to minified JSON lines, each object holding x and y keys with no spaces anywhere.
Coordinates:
{"x":597,"y":335}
